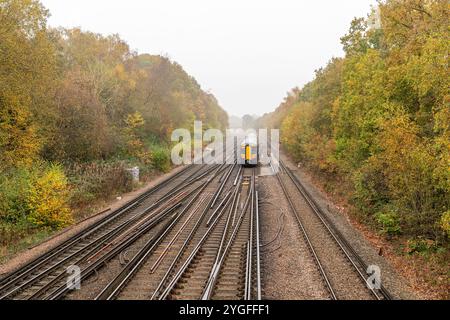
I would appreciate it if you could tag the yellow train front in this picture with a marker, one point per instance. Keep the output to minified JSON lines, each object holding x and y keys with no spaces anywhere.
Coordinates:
{"x":249,"y":152}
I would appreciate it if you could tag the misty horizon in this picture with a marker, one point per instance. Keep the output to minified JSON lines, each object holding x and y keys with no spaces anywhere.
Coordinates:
{"x":230,"y":57}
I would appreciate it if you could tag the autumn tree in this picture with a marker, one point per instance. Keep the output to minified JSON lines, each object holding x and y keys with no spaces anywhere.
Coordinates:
{"x":378,"y":119}
{"x":27,"y":70}
{"x":73,"y":99}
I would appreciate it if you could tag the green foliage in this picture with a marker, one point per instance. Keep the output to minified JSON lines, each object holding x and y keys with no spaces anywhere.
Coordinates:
{"x":161,"y":159}
{"x":421,"y":246}
{"x":445,"y":223}
{"x":14,"y":187}
{"x":97,"y":180}
{"x":389,"y":223}
{"x":27,"y":71}
{"x":20,"y":236}
{"x":133,"y":131}
{"x":36,"y":197}
{"x":76,"y":97}
{"x":108,"y":100}
{"x":379,"y":119}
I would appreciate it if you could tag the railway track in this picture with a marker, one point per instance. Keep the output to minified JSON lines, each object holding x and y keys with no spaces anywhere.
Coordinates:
{"x":194,"y":236}
{"x":138,"y":254}
{"x":202,"y":255}
{"x":146,"y":269}
{"x":39,"y":277}
{"x":338,"y":263}
{"x":222,"y":265}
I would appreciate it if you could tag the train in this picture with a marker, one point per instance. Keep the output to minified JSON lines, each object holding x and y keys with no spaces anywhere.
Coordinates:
{"x":249,"y":151}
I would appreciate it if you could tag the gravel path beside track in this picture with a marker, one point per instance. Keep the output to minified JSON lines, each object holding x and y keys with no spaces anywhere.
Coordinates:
{"x":289,"y":272}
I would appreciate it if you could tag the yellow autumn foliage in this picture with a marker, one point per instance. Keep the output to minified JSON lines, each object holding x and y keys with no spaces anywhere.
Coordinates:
{"x":47,"y":200}
{"x":81,"y":98}
{"x":378,"y":119}
{"x":445,"y":223}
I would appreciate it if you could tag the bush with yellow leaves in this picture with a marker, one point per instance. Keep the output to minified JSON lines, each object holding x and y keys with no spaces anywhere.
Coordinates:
{"x":47,"y":200}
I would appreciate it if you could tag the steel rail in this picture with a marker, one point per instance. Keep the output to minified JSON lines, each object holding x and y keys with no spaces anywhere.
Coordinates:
{"x":216,"y":271}
{"x":343,"y":244}
{"x":258,"y":245}
{"x":247,"y":288}
{"x":197,"y":192}
{"x":84,"y":251}
{"x":91,"y":247}
{"x":191,"y":257}
{"x":222,"y":203}
{"x":238,"y":176}
{"x":142,"y":228}
{"x":204,"y":174}
{"x":14,"y":276}
{"x":92,"y":268}
{"x":236,"y":209}
{"x":248,"y":278}
{"x":176,"y":236}
{"x":187,"y":241}
{"x":308,"y":241}
{"x":119,"y":282}
{"x":222,"y":186}
{"x":115,"y":286}
{"x":235,"y":203}
{"x":182,"y":186}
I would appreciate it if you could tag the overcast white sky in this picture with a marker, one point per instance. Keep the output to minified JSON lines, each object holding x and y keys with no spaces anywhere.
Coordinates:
{"x":248,"y":53}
